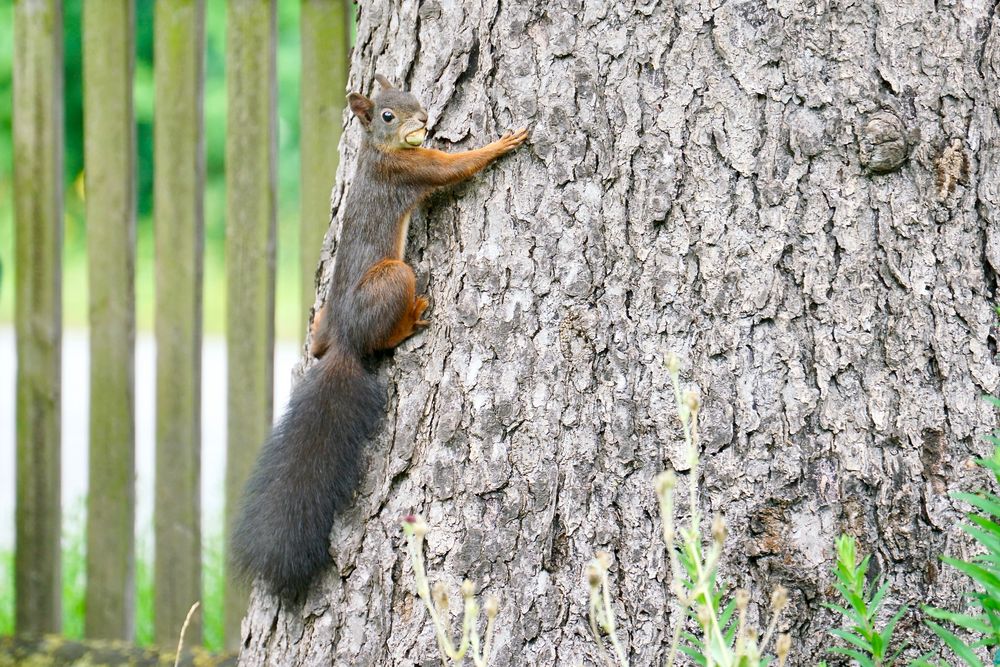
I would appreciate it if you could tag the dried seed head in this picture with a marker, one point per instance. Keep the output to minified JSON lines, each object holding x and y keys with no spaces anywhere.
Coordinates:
{"x":440,"y":596}
{"x":665,"y":482}
{"x":593,"y":575}
{"x":742,"y":598}
{"x":782,"y":647}
{"x":779,"y":599}
{"x":414,"y":525}
{"x":692,"y":400}
{"x":704,"y":616}
{"x":673,"y":363}
{"x":468,"y":590}
{"x":491,"y":607}
{"x":719,"y":529}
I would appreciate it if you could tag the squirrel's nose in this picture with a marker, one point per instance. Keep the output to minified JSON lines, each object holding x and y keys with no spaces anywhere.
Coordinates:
{"x":422,"y":116}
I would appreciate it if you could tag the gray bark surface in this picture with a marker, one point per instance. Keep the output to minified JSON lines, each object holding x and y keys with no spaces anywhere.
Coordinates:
{"x":774,"y":190}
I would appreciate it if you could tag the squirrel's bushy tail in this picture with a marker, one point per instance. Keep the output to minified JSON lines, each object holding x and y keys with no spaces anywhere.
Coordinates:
{"x":307,"y":471}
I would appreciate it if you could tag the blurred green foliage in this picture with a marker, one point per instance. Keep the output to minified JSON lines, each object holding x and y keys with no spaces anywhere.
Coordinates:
{"x":288,"y":318}
{"x":288,"y":312}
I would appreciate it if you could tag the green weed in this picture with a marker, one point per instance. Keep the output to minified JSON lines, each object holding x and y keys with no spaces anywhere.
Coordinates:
{"x":866,"y":644}
{"x":967,"y":633}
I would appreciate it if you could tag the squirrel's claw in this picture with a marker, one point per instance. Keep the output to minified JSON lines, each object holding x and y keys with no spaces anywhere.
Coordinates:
{"x":419,"y":306}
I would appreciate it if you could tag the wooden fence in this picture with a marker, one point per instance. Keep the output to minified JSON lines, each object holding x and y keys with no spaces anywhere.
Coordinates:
{"x":179,"y":169}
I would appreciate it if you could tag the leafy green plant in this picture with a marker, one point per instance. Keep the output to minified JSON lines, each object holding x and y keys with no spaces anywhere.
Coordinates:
{"x":723,"y":637}
{"x":983,"y":619}
{"x":868,"y":645}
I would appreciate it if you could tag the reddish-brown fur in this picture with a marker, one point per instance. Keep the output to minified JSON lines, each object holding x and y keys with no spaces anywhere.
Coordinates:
{"x":416,"y":172}
{"x":388,"y":277}
{"x":434,"y":168}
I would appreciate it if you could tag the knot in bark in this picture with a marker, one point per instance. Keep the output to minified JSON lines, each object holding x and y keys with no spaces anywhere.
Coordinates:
{"x":883,"y":143}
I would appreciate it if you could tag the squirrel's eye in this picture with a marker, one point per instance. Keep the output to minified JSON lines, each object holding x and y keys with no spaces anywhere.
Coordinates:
{"x":388,"y":116}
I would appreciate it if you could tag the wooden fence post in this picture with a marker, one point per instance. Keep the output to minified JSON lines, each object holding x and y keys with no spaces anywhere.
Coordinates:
{"x":326,"y":35}
{"x":109,"y":152}
{"x":38,"y":223}
{"x":250,"y":254}
{"x":179,"y":189}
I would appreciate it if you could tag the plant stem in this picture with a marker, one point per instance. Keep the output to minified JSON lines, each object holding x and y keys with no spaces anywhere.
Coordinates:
{"x":609,"y":618}
{"x":594,"y":630}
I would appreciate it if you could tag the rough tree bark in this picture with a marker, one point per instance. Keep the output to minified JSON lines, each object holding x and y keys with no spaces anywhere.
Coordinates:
{"x":719,"y":178}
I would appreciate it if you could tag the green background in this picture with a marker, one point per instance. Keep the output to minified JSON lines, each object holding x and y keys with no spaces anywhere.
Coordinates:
{"x":289,"y":322}
{"x":288,"y":318}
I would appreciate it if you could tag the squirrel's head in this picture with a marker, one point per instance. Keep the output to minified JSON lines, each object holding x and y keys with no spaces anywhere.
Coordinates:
{"x":392,"y":118}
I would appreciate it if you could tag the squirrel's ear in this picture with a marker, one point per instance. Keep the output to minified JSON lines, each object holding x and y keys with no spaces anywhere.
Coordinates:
{"x":384,"y":82}
{"x":362,"y":107}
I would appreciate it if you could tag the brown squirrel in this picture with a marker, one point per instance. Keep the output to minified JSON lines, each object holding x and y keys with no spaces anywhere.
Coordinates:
{"x":312,"y":463}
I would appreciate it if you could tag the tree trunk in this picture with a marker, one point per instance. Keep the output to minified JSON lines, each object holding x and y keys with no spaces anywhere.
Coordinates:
{"x":777,"y":192}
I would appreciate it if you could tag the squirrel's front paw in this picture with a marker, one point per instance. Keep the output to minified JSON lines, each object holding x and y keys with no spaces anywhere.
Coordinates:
{"x":512,"y":140}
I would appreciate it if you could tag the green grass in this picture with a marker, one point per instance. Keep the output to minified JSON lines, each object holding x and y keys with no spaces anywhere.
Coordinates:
{"x":212,"y":585}
{"x":74,"y":571}
{"x":74,"y":583}
{"x":6,"y":592}
{"x":144,"y":591}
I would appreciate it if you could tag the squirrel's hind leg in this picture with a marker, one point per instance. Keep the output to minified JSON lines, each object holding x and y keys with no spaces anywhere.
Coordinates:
{"x":320,"y":333}
{"x":407,"y":325}
{"x":387,"y":308}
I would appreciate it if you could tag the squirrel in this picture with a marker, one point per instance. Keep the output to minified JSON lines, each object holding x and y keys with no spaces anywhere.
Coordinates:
{"x":312,"y":463}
